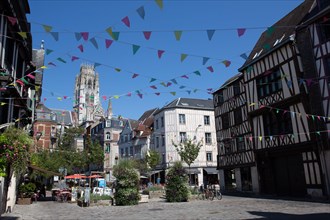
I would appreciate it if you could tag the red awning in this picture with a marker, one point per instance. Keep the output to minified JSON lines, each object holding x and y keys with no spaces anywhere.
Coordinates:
{"x":75,"y":176}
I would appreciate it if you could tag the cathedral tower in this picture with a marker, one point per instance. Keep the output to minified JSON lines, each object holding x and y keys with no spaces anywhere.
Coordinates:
{"x":87,"y":95}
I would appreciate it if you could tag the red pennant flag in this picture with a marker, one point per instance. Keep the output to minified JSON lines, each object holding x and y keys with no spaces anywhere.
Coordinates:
{"x":168,"y":84}
{"x":147,"y":34}
{"x":12,"y":20}
{"x":185,"y":76}
{"x":129,"y":94}
{"x":65,"y":97}
{"x":104,"y":97}
{"x":108,"y":43}
{"x":126,"y":21}
{"x":20,"y":82}
{"x":135,"y":75}
{"x":81,"y":48}
{"x":153,"y":87}
{"x":84,"y":35}
{"x":45,"y":99}
{"x":226,"y":62}
{"x":160,"y":53}
{"x":210,"y":68}
{"x":240,"y":31}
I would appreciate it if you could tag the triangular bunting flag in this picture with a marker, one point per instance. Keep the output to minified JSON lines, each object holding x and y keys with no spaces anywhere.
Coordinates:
{"x":73,"y":58}
{"x":108,"y":43}
{"x":12,"y":20}
{"x":20,"y":82}
{"x":48,"y":51}
{"x":85,"y":35}
{"x":182,"y":87}
{"x":159,"y":3}
{"x":59,"y":98}
{"x":205,"y":59}
{"x":210,"y":34}
{"x":195,"y":90}
{"x":47,"y":28}
{"x":185,"y":76}
{"x":147,"y":34}
{"x":173,"y":93}
{"x":162,"y":83}
{"x":78,"y":36}
{"x":174,"y":81}
{"x":226,"y":62}
{"x":94,"y":42}
{"x":160,"y":53}
{"x":210,"y":68}
{"x":96,"y":65}
{"x":157,"y":93}
{"x":152,"y":80}
{"x":81,"y":48}
{"x":140,"y":95}
{"x":30,"y":76}
{"x":117,"y":69}
{"x":153,"y":87}
{"x":55,"y":35}
{"x":135,"y":75}
{"x":183,"y":57}
{"x":141,"y":12}
{"x":25,"y":82}
{"x":177,"y":35}
{"x":244,"y":56}
{"x":270,"y":31}
{"x":22,"y":34}
{"x":126,"y":21}
{"x":61,"y":60}
{"x":51,"y":64}
{"x":188,"y":91}
{"x":168,"y":84}
{"x":240,"y":31}
{"x":197,"y":73}
{"x":114,"y":35}
{"x":3,"y":103}
{"x":135,"y":48}
{"x":116,"y":96}
{"x":129,"y":94}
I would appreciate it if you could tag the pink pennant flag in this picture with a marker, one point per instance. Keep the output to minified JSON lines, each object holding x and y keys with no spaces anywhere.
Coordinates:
{"x":240,"y":31}
{"x":153,"y":87}
{"x":30,"y":75}
{"x":81,"y":48}
{"x":129,"y":94}
{"x":84,"y":35}
{"x":147,"y":34}
{"x":20,"y":82}
{"x":168,"y":84}
{"x":210,"y":68}
{"x":108,"y":43}
{"x":157,"y":93}
{"x":250,"y":138}
{"x":140,"y":95}
{"x":65,"y":97}
{"x":12,"y":20}
{"x":160,"y":53}
{"x":185,"y":76}
{"x":45,"y":99}
{"x":104,"y":97}
{"x":226,"y":62}
{"x":73,"y":58}
{"x":135,"y":75}
{"x":126,"y":21}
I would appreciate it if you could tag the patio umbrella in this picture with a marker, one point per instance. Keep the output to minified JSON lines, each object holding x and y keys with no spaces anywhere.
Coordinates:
{"x":75,"y":176}
{"x":95,"y":176}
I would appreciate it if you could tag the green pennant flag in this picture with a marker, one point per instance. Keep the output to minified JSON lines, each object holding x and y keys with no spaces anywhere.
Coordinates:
{"x":197,"y":73}
{"x":177,"y":35}
{"x":117,"y":69}
{"x":266,"y":47}
{"x":48,"y":51}
{"x":159,"y":3}
{"x":183,"y":57}
{"x":114,"y":35}
{"x":162,"y":83}
{"x":173,"y":93}
{"x":61,"y":60}
{"x":25,"y":82}
{"x":135,"y":48}
{"x":152,"y":80}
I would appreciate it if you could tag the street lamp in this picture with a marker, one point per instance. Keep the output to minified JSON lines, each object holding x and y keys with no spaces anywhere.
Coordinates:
{"x":195,"y":137}
{"x":38,"y":136}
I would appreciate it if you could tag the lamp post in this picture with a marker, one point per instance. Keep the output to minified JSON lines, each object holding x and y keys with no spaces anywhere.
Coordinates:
{"x":38,"y":136}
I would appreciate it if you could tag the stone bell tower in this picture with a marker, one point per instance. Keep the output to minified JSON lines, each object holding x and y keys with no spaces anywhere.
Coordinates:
{"x":87,"y":95}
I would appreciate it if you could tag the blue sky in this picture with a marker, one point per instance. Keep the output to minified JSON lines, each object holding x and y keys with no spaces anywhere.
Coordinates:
{"x":192,"y":18}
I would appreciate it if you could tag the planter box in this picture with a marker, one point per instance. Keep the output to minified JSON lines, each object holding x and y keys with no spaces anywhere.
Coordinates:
{"x":24,"y":201}
{"x":156,"y":194}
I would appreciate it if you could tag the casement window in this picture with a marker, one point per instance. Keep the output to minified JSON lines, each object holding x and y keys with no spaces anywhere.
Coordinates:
{"x":225,"y":120}
{"x":182,"y":119}
{"x":206,"y":120}
{"x":208,"y":138}
{"x":107,"y":148}
{"x":209,"y":156}
{"x":238,"y":116}
{"x":236,"y":89}
{"x":183,"y":137}
{"x":156,"y":124}
{"x":240,"y":144}
{"x":269,"y":83}
{"x":108,"y":136}
{"x":277,"y":123}
{"x":163,"y":140}
{"x":220,"y":98}
{"x":157,"y":142}
{"x":162,"y":122}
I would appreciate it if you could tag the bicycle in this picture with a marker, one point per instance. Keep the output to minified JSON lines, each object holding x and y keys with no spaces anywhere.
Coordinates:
{"x":205,"y":194}
{"x":217,"y":194}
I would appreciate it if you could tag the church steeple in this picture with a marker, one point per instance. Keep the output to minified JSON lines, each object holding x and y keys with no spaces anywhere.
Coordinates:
{"x":109,"y":110}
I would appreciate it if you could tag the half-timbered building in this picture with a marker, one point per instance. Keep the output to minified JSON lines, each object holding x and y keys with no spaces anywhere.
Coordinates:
{"x":236,"y":163}
{"x":280,"y":113}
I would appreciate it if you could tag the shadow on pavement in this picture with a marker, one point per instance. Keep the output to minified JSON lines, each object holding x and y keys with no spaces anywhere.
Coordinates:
{"x":282,"y":216}
{"x":9,"y":218}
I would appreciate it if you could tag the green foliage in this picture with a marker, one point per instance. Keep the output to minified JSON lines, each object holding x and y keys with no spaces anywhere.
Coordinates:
{"x":14,"y":150}
{"x":95,"y":152}
{"x":26,"y":190}
{"x":188,"y":150}
{"x":127,"y":184}
{"x":67,"y":142}
{"x":98,"y":197}
{"x":152,"y":159}
{"x":177,"y":189}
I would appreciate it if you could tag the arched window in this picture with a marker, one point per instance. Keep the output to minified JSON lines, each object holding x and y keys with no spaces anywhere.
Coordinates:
{"x":108,"y":136}
{"x":90,"y":84}
{"x":86,"y":97}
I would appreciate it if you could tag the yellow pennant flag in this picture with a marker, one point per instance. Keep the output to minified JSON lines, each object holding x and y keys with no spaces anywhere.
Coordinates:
{"x":116,"y":96}
{"x":43,"y":67}
{"x":3,"y":103}
{"x":47,"y":28}
{"x":23,"y":34}
{"x":160,"y":3}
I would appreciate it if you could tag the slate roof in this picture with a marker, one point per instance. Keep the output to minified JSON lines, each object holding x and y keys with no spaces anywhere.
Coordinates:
{"x":189,"y":103}
{"x":229,"y":81}
{"x":284,"y":27}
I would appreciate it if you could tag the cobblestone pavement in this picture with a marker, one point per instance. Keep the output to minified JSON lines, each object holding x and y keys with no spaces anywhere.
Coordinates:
{"x":230,"y":207}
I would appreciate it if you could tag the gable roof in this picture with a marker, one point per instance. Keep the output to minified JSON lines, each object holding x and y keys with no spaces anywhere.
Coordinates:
{"x":229,"y":81}
{"x":282,"y":29}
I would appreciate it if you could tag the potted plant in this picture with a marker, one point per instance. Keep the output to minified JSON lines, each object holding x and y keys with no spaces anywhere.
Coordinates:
{"x":26,"y":191}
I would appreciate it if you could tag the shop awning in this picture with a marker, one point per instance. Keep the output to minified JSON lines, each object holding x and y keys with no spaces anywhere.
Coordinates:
{"x":211,"y":170}
{"x":44,"y":170}
{"x":155,"y":172}
{"x":192,"y":171}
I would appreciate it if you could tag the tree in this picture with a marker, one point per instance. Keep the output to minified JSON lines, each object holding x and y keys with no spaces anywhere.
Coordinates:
{"x":152,"y":159}
{"x":67,"y":142}
{"x":188,"y":151}
{"x":177,"y":189}
{"x":14,"y":157}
